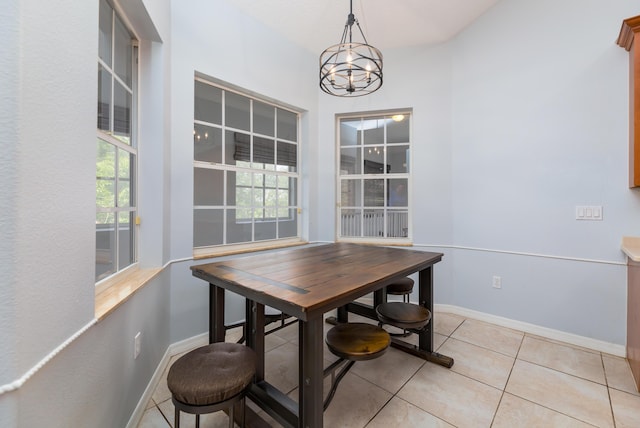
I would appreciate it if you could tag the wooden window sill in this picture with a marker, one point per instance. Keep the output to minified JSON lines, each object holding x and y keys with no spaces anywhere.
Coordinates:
{"x":228,"y":250}
{"x":115,"y":291}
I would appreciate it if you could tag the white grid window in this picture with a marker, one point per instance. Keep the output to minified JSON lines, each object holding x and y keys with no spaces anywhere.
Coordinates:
{"x":246,"y":173}
{"x":116,"y":151}
{"x":374,"y":178}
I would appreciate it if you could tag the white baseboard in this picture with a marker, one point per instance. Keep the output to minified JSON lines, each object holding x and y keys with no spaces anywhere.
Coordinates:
{"x":188,"y":344}
{"x":548,"y":333}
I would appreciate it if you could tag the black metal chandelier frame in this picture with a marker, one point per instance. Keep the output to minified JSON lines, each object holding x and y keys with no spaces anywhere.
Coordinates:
{"x":350,"y":69}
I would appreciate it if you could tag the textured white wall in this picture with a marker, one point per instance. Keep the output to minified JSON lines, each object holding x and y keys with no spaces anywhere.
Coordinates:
{"x":53,"y":190}
{"x":9,"y":131}
{"x":48,"y":88}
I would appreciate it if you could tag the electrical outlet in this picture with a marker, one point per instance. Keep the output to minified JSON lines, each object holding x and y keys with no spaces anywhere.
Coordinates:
{"x":497,"y":282}
{"x":136,"y":345}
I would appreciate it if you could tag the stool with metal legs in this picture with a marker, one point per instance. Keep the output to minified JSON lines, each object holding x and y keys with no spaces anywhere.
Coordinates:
{"x":402,"y":287}
{"x":407,"y":316}
{"x":353,"y":342}
{"x":211,"y":378}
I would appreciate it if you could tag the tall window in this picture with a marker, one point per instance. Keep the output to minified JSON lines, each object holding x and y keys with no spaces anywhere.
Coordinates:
{"x":246,"y":174}
{"x":117,"y":151}
{"x":374,"y":177}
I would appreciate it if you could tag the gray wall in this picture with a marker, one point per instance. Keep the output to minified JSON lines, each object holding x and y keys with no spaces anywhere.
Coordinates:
{"x":540,"y":109}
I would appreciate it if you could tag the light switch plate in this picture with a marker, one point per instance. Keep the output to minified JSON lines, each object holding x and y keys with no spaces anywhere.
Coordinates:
{"x":591,"y":212}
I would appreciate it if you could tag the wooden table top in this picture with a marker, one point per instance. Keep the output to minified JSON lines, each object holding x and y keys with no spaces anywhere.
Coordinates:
{"x":309,"y":281}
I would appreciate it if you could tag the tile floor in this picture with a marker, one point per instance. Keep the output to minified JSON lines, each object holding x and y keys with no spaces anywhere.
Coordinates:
{"x":501,"y":378}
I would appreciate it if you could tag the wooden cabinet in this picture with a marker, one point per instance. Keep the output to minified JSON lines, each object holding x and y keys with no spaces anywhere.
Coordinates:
{"x":633,"y":319}
{"x":629,"y":39}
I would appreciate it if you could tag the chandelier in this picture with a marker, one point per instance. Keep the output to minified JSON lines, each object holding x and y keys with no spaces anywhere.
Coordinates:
{"x":350,"y":69}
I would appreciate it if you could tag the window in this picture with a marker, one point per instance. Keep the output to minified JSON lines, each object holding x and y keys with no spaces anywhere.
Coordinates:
{"x":374,"y":177}
{"x":246,"y":175}
{"x":117,"y":153}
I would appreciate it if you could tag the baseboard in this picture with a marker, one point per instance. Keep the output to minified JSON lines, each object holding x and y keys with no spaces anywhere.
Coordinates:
{"x":548,"y":333}
{"x":188,"y":344}
{"x":173,"y":349}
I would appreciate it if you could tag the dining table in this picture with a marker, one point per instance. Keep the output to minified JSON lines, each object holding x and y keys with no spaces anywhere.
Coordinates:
{"x":308,"y":282}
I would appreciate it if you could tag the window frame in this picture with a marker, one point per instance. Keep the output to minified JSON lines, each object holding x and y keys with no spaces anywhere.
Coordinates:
{"x":120,"y":145}
{"x":363,"y":176}
{"x":252,"y":167}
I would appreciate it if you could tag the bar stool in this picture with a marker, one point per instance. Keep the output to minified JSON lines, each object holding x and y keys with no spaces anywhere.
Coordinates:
{"x":402,"y":287}
{"x":352,"y":342}
{"x":211,"y":378}
{"x":407,"y":316}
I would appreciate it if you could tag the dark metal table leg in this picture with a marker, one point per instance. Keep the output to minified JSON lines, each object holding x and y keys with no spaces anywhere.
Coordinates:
{"x":255,"y":334}
{"x":341,"y":318}
{"x":425,"y":337}
{"x":425,"y":298}
{"x":217,"y":330}
{"x":311,"y":373}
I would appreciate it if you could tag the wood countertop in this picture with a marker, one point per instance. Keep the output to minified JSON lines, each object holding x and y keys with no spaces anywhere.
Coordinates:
{"x":631,"y":247}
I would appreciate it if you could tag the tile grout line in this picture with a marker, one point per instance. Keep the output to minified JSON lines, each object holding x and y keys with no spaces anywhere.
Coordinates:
{"x":504,"y":389}
{"x":606,"y":381}
{"x":557,"y":371}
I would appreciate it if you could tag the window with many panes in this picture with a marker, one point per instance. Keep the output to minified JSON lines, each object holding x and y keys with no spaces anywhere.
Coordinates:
{"x":117,"y":153}
{"x":246,"y":175}
{"x":374,"y":177}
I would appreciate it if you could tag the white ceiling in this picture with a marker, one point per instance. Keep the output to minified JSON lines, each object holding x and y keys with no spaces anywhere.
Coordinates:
{"x":317,"y":24}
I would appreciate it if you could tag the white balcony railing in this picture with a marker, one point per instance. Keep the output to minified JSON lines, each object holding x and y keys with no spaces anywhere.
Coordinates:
{"x":372,"y":224}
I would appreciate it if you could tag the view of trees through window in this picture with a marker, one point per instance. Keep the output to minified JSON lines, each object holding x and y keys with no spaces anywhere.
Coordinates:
{"x":116,"y":149}
{"x":262,"y":192}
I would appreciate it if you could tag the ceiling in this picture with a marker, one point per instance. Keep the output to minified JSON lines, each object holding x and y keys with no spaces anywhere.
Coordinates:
{"x":317,"y":24}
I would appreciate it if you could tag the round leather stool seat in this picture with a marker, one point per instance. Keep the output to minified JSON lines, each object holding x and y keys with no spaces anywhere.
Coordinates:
{"x":357,"y":341}
{"x":212,"y":374}
{"x":403,"y":315}
{"x":401,"y":286}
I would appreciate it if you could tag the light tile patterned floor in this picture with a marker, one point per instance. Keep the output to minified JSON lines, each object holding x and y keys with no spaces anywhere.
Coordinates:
{"x":501,"y":378}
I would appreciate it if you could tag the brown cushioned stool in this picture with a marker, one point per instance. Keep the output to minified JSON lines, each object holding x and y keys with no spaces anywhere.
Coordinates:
{"x":406,"y":316}
{"x":402,"y":287}
{"x":211,"y":378}
{"x":353,"y":342}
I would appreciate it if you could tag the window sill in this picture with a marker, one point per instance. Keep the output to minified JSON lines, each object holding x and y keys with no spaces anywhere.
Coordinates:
{"x":115,"y":291}
{"x":228,"y":250}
